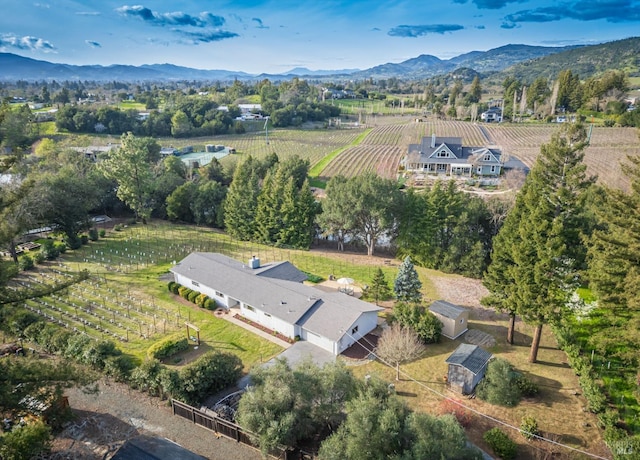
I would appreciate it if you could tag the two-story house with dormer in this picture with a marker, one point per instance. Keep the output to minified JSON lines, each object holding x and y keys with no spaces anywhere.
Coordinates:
{"x":448,"y":157}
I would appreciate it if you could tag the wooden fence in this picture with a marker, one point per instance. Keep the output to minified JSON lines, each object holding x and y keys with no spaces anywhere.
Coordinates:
{"x":230,"y":430}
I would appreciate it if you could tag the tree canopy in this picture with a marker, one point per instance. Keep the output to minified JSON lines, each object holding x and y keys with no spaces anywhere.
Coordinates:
{"x":538,"y":253}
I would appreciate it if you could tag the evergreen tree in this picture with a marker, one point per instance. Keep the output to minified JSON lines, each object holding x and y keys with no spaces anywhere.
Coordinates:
{"x":379,"y":288}
{"x":539,"y":249}
{"x":269,"y":220}
{"x":241,"y":202}
{"x":407,"y":284}
{"x":299,"y":209}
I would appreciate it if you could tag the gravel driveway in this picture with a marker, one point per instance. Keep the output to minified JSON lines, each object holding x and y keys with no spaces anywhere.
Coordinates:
{"x":107,"y":418}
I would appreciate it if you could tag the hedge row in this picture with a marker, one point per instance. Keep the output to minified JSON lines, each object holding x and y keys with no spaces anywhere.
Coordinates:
{"x":616,"y":438}
{"x":581,"y":365}
{"x":209,"y":374}
{"x":201,"y":300}
{"x":168,"y":347}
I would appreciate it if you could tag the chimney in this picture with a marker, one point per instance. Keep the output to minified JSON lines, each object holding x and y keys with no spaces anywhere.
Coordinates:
{"x":433,"y":141}
{"x":254,"y":262}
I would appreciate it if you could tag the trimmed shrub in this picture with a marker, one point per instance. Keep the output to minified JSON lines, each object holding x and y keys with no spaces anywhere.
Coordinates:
{"x":93,"y":234}
{"x":201,"y":299}
{"x":184,"y":291}
{"x":84,"y":239}
{"x":168,"y":347}
{"x":209,"y":304}
{"x":26,"y":262}
{"x":501,"y":444}
{"x":171,"y":286}
{"x":192,"y":296}
{"x":102,"y":233}
{"x":175,"y":288}
{"x":117,"y":227}
{"x":529,"y":427}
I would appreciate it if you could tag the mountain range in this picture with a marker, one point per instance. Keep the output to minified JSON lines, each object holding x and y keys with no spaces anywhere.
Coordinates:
{"x":14,"y":67}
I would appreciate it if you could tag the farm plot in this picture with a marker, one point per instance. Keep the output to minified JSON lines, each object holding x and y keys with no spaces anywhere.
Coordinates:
{"x":608,"y":148}
{"x":381,"y":159}
{"x":97,"y":308}
{"x":307,"y":144}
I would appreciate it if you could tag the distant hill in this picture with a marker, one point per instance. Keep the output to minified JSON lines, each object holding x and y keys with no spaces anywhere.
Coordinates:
{"x":496,"y":59}
{"x":522,"y":61}
{"x":585,"y":61}
{"x":303,"y":71}
{"x":14,"y":67}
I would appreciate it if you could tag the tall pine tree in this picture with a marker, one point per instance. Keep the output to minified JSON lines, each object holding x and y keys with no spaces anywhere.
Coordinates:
{"x":241,"y":202}
{"x":538,"y":252}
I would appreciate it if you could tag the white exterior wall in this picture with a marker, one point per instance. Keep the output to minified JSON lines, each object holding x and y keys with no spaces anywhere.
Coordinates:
{"x":220,"y":300}
{"x":271,"y":322}
{"x":365,"y":324}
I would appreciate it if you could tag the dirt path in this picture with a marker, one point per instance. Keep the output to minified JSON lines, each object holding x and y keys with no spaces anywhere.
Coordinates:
{"x":106,"y":419}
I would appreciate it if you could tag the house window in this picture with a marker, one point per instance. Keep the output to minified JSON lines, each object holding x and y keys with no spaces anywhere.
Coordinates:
{"x":479,"y":169}
{"x":442,"y":154}
{"x":195,"y":283}
{"x":219,"y":294}
{"x":493,"y":169}
{"x":487,"y":157}
{"x":249,"y":307}
{"x":354,"y":330}
{"x":442,"y":167}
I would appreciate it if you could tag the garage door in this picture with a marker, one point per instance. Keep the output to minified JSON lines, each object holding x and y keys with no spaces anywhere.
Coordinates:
{"x":317,"y":340}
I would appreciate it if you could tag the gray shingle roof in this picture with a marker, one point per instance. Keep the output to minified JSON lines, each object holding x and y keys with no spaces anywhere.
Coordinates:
{"x":464,"y":155}
{"x":446,"y":309}
{"x":324,"y":313}
{"x":471,"y":357}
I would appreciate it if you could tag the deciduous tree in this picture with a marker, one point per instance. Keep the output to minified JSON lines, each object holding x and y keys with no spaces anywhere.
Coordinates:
{"x":399,"y":344}
{"x":130,"y":166}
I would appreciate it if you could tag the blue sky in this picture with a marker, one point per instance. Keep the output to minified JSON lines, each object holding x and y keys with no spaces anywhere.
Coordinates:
{"x":274,"y":36}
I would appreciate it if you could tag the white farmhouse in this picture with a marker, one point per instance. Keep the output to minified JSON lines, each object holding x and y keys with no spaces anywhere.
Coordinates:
{"x":273,"y":295}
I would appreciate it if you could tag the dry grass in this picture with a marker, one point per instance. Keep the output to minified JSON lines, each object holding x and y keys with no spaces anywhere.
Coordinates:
{"x":559,"y":407}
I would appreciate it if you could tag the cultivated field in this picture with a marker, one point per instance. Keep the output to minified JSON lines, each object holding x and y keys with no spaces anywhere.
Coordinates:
{"x":608,"y":149}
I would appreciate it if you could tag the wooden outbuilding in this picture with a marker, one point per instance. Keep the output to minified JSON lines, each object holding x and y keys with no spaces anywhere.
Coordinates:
{"x":454,"y":319}
{"x":467,"y":365}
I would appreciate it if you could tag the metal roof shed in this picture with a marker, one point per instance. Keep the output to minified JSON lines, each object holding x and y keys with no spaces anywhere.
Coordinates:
{"x":467,"y":365}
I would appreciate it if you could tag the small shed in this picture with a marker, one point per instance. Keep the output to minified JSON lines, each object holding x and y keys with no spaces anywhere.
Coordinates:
{"x":467,"y":365}
{"x":454,"y":319}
